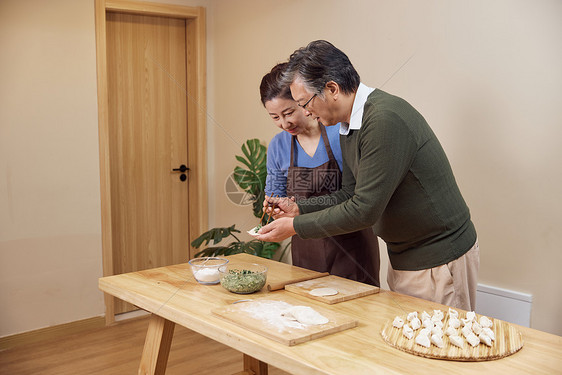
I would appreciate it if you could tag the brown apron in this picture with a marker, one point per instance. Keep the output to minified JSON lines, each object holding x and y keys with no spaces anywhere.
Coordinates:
{"x":353,"y":255}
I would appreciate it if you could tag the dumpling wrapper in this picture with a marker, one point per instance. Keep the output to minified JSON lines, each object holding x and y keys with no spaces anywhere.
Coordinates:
{"x":322,"y":292}
{"x":305,"y":315}
{"x":254,"y":231}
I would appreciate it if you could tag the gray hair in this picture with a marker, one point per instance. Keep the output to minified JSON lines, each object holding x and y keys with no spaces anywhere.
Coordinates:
{"x":317,"y":64}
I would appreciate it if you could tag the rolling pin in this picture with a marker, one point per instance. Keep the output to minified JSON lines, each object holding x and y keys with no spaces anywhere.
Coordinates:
{"x":281,"y":285}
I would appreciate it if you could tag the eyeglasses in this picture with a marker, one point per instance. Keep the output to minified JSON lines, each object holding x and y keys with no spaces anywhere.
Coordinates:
{"x":309,"y":100}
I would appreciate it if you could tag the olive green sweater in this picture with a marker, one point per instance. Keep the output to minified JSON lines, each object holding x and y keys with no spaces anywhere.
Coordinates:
{"x":396,"y":177}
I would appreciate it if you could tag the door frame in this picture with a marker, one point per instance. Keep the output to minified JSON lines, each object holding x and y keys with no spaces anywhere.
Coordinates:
{"x":196,"y":116}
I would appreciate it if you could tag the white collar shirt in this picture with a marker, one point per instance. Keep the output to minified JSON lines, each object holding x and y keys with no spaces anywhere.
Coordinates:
{"x":357,"y":110}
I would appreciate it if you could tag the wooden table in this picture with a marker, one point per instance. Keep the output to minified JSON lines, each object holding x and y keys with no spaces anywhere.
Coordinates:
{"x":172,"y":296}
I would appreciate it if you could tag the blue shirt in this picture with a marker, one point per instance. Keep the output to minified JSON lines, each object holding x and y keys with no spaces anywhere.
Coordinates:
{"x":279,"y":158}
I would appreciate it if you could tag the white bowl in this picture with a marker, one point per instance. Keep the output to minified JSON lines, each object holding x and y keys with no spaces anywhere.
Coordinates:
{"x":206,"y":269}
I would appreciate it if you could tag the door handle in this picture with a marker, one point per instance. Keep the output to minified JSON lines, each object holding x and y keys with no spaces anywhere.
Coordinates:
{"x":183,"y":168}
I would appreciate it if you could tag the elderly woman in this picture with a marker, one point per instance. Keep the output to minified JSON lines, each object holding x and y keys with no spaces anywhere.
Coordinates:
{"x":303,"y":161}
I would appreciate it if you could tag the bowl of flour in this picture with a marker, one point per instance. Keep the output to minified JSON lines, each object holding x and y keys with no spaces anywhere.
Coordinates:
{"x":206,"y":269}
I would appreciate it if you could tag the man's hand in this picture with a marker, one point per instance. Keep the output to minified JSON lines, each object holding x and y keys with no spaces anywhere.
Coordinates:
{"x":277,"y":230}
{"x":280,"y":207}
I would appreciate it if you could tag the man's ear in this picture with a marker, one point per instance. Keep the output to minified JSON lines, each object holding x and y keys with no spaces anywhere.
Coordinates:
{"x":333,"y":89}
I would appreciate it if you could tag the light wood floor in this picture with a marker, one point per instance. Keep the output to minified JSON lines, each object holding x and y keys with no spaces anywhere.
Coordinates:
{"x":116,"y":350}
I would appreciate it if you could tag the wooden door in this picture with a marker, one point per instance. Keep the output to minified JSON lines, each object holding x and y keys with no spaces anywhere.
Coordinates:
{"x":147,"y":118}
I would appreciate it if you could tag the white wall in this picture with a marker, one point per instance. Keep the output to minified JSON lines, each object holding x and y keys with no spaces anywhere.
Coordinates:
{"x":50,"y":238}
{"x":484,"y":73}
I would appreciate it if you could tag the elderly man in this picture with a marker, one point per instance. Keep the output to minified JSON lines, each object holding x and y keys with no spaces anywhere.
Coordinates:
{"x":396,"y":177}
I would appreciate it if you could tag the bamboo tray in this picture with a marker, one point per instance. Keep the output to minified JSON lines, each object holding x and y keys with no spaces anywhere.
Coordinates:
{"x":508,"y":341}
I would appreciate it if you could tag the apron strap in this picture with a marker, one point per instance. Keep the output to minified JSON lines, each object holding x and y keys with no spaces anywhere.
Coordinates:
{"x":293,"y":140}
{"x":326,"y":142}
{"x":323,"y":135}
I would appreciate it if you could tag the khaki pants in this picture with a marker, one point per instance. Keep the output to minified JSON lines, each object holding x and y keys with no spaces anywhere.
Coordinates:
{"x":452,"y":284}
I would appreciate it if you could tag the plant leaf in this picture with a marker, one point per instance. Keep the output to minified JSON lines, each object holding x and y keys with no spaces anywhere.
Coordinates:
{"x":215,"y":234}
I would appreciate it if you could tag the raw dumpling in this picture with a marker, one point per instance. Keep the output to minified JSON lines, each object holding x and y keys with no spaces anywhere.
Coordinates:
{"x":407,"y":331}
{"x":454,"y":322}
{"x":427,"y":323}
{"x":437,"y":331}
{"x":438,"y":324}
{"x":453,"y":313}
{"x":476,"y":328}
{"x":423,"y":340}
{"x":457,"y":341}
{"x":473,"y":339}
{"x":412,"y":315}
{"x":466,"y":321}
{"x":437,"y":315}
{"x":398,"y":322}
{"x":451,"y":331}
{"x":424,"y":316}
{"x":485,"y":339}
{"x":305,"y":315}
{"x":437,"y":340}
{"x":424,"y":331}
{"x":415,"y":323}
{"x":488,"y":332}
{"x":471,"y":315}
{"x":466,"y":330}
{"x":485,"y":322}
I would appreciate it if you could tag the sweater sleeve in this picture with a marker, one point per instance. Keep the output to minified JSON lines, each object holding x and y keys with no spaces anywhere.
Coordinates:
{"x":386,"y":151}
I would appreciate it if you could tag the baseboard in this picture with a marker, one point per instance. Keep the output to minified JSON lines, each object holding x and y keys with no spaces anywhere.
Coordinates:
{"x":511,"y":306}
{"x":60,"y":330}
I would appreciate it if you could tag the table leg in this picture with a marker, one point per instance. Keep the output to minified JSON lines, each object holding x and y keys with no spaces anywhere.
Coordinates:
{"x":156,"y":346}
{"x":254,"y":366}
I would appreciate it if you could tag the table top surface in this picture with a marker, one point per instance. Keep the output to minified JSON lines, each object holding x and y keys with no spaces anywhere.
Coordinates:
{"x":172,"y":293}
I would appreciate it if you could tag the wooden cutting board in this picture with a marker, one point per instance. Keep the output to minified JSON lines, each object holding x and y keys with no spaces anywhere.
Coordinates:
{"x":347,"y":289}
{"x":263,"y":316}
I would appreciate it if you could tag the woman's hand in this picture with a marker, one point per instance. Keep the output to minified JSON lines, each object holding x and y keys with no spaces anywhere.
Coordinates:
{"x":280,"y":207}
{"x":277,"y":230}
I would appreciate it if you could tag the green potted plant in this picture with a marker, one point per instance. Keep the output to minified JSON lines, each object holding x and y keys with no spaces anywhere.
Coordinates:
{"x":251,"y":178}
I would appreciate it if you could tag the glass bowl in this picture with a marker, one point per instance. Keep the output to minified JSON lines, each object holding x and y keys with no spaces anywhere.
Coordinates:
{"x":206,"y":269}
{"x":243,"y":278}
